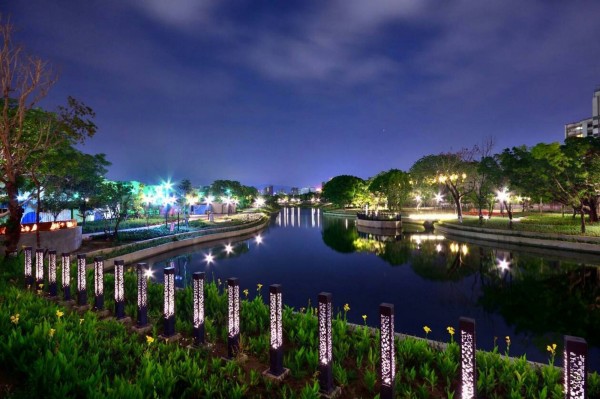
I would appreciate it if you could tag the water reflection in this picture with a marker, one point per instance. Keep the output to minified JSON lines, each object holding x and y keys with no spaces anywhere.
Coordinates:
{"x":433,"y":280}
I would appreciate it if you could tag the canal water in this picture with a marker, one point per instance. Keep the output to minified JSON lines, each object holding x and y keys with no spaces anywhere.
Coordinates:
{"x":533,"y":298}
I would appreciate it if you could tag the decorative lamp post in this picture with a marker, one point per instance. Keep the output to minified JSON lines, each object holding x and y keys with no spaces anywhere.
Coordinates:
{"x":119,"y":289}
{"x":99,"y":283}
{"x":276,"y":349}
{"x":325,"y":343}
{"x":233,"y":326}
{"x":468,"y":367}
{"x":575,"y":367}
{"x":39,"y":269}
{"x":388,"y":359}
{"x":169,"y":301}
{"x":66,"y":275}
{"x":81,"y":286}
{"x":52,"y":273}
{"x":142,"y":295}
{"x":28,"y":268}
{"x":198,"y":297}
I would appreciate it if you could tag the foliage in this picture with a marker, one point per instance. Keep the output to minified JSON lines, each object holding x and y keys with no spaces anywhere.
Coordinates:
{"x":343,"y":190}
{"x":394,"y":185}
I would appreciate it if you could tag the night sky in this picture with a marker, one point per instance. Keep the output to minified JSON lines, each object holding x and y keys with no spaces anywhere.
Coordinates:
{"x":296,"y":92}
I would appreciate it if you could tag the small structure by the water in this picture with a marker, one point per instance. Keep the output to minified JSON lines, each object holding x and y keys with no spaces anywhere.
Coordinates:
{"x":383,"y":221}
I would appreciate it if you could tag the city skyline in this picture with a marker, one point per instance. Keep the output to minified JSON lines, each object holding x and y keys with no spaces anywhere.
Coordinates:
{"x":293,"y":94}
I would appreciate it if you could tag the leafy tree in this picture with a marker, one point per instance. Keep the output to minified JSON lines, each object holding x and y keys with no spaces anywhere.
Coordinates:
{"x":454,"y":172}
{"x":26,"y":132}
{"x":343,"y":190}
{"x":119,"y":198}
{"x":394,"y":185}
{"x":234,"y":189}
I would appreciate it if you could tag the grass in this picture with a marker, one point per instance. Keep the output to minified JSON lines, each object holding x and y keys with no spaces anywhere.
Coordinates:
{"x":553,"y":223}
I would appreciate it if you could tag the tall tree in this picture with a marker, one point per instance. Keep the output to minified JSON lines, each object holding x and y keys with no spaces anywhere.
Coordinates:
{"x":395,"y":187}
{"x":343,"y":190}
{"x":454,"y":172}
{"x":24,"y":131}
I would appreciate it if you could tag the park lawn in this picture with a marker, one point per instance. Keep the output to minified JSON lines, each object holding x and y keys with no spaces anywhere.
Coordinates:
{"x":553,"y":223}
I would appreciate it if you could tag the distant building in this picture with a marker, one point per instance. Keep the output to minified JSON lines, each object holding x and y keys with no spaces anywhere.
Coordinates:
{"x":586,"y":127}
{"x":295,"y":191}
{"x":268,"y":190}
{"x":308,"y":190}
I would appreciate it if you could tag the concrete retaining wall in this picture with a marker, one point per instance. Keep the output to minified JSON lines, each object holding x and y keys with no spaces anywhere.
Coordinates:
{"x":170,"y":246}
{"x":587,"y":244}
{"x":62,"y":240}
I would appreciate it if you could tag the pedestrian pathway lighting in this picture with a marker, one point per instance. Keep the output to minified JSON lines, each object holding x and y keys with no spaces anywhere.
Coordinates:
{"x":575,"y":367}
{"x":259,"y":202}
{"x":468,"y":381}
{"x":233,"y":326}
{"x":52,"y":273}
{"x":388,"y":360}
{"x":81,"y":286}
{"x":39,"y":269}
{"x":198,"y":292}
{"x":119,"y":289}
{"x":98,"y":283}
{"x":276,"y":349}
{"x":169,"y":301}
{"x":142,"y":295}
{"x":325,"y":343}
{"x":28,"y":268}
{"x":66,"y":275}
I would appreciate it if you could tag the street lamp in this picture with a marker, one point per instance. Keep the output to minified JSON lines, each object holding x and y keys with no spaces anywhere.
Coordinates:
{"x":52,"y":273}
{"x":233,"y":325}
{"x":39,"y":269}
{"x":28,"y":268}
{"x":198,"y":297}
{"x":119,"y":289}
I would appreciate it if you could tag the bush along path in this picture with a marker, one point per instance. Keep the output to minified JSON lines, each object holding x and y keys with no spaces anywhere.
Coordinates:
{"x":50,"y":349}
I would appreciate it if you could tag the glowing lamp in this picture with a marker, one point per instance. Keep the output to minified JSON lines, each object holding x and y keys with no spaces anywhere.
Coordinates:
{"x":276,"y":349}
{"x":468,"y":379}
{"x":52,"y":273}
{"x":81,"y":286}
{"x":169,"y":301}
{"x":142,"y":295}
{"x":575,"y":367}
{"x":28,"y":268}
{"x":388,"y":360}
{"x":198,"y":297}
{"x":98,"y":283}
{"x":233,"y":326}
{"x":66,"y":275}
{"x":325,"y":343}
{"x":39,"y":269}
{"x":119,"y":289}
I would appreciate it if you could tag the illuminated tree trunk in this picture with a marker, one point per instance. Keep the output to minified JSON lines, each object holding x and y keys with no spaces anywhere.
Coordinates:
{"x":13,"y":226}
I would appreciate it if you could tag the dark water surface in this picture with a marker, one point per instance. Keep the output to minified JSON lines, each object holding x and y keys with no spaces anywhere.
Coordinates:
{"x":533,"y":298}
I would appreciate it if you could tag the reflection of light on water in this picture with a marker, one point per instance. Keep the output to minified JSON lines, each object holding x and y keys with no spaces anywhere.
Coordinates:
{"x":433,"y":216}
{"x":228,"y":248}
{"x":438,"y":247}
{"x":209,"y":258}
{"x":346,"y":224}
{"x":258,"y":239}
{"x":426,"y":237}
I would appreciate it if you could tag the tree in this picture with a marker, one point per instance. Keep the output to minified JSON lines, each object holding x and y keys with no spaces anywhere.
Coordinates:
{"x":453,"y":171}
{"x":394,"y":185}
{"x":342,"y":190}
{"x":25,"y":131}
{"x":119,"y":198}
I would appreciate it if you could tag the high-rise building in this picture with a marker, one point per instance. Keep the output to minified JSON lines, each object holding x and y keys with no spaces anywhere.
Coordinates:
{"x":588,"y":126}
{"x":268,"y":190}
{"x":295,"y":191}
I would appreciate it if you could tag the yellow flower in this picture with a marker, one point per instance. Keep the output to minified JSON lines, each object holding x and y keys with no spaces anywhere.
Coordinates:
{"x":81,"y":321}
{"x":246,"y":292}
{"x":149,"y":339}
{"x":51,"y":332}
{"x":14,"y":319}
{"x":426,"y":329}
{"x":450,"y":330}
{"x":346,"y":307}
{"x":364,"y":318}
{"x":59,"y":314}
{"x":507,"y":338}
{"x":258,"y":286}
{"x":41,"y":286}
{"x":551,"y":349}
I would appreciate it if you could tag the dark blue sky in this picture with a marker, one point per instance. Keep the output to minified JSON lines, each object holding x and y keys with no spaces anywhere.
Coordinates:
{"x":295,"y":92}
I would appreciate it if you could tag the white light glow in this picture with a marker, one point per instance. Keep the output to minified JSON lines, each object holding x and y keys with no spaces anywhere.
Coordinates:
{"x":503,"y":264}
{"x":66,"y":270}
{"x":98,"y":277}
{"x":119,"y":282}
{"x":81,"y":283}
{"x":233,"y":297}
{"x":276,"y":320}
{"x":169,"y":292}
{"x":259,"y":239}
{"x":433,"y":216}
{"x":52,"y":267}
{"x":428,"y":237}
{"x":198,"y":287}
{"x":209,"y":258}
{"x":39,"y":265}
{"x":228,"y":248}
